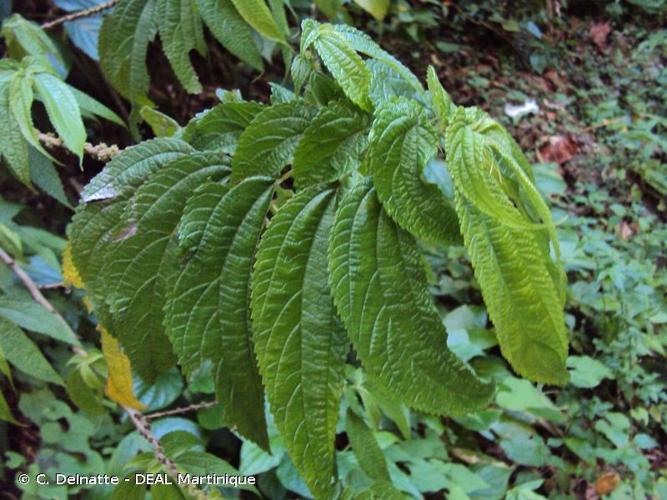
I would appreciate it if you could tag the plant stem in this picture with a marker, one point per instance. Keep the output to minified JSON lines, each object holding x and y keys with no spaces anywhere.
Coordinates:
{"x":80,"y":13}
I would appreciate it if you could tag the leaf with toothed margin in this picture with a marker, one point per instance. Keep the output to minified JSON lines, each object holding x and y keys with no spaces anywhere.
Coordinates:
{"x":520,"y":284}
{"x":207,"y":314}
{"x":332,"y":145}
{"x":299,"y":342}
{"x":380,"y":291}
{"x":142,"y":259}
{"x":104,"y":199}
{"x":402,"y":141}
{"x":268,"y":143}
{"x":220,"y":127}
{"x":181,"y":30}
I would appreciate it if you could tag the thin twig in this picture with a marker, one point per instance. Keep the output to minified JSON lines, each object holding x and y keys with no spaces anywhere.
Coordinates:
{"x":181,"y":410}
{"x":80,"y":13}
{"x":34,"y":291}
{"x":101,"y":152}
{"x":144,"y":427}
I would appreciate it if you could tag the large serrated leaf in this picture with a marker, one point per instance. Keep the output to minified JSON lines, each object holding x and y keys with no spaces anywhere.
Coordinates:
{"x":268,"y":143}
{"x":221,"y":126}
{"x":123,"y":43}
{"x":208,"y":307}
{"x":299,"y":343}
{"x":181,"y":30}
{"x":100,"y":217}
{"x":332,"y":144}
{"x":514,"y":273}
{"x":231,"y":30}
{"x":141,"y":259}
{"x":380,"y":291}
{"x":401,"y":143}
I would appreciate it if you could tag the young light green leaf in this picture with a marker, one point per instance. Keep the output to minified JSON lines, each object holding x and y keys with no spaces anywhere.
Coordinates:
{"x":344,"y":64}
{"x":207,"y":316}
{"x":221,"y":126}
{"x":123,"y":43}
{"x":257,"y":14}
{"x":181,"y":30}
{"x":332,"y":144}
{"x":63,"y":111}
{"x":161,"y":124}
{"x":376,"y":8}
{"x":231,"y":30}
{"x":366,"y":448}
{"x":441,"y":101}
{"x":21,"y":352}
{"x":402,"y":141}
{"x":513,"y":271}
{"x":268,"y":143}
{"x":299,"y":343}
{"x":381,"y":294}
{"x":363,"y":43}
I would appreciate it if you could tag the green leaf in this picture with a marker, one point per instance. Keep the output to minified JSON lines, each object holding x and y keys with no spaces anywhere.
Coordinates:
{"x":220,"y":127}
{"x":21,"y":98}
{"x":402,"y":141}
{"x":63,"y":111}
{"x":92,"y":107}
{"x":32,"y":316}
{"x":269,"y":142}
{"x":45,"y":176}
{"x":123,"y":43}
{"x":13,"y":148}
{"x":586,"y":372}
{"x":380,"y":291}
{"x":366,"y":448}
{"x":258,"y":15}
{"x":231,"y":30}
{"x":105,"y":198}
{"x":161,"y":124}
{"x":376,"y":8}
{"x":386,"y":83}
{"x":26,"y":38}
{"x":329,"y":8}
{"x":441,"y":101}
{"x":332,"y":144}
{"x":100,"y":220}
{"x":344,"y":64}
{"x":180,"y":28}
{"x":141,"y":259}
{"x":299,"y":343}
{"x":520,"y":293}
{"x":361,"y":42}
{"x":208,"y":308}
{"x":5,"y":411}
{"x":24,"y":355}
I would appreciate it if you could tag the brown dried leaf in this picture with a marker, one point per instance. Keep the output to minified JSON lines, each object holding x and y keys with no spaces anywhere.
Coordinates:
{"x":598,"y":34}
{"x":607,"y":483}
{"x":558,"y":149}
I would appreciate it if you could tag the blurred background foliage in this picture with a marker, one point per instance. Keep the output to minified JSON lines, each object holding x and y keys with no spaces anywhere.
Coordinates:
{"x":582,"y":87}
